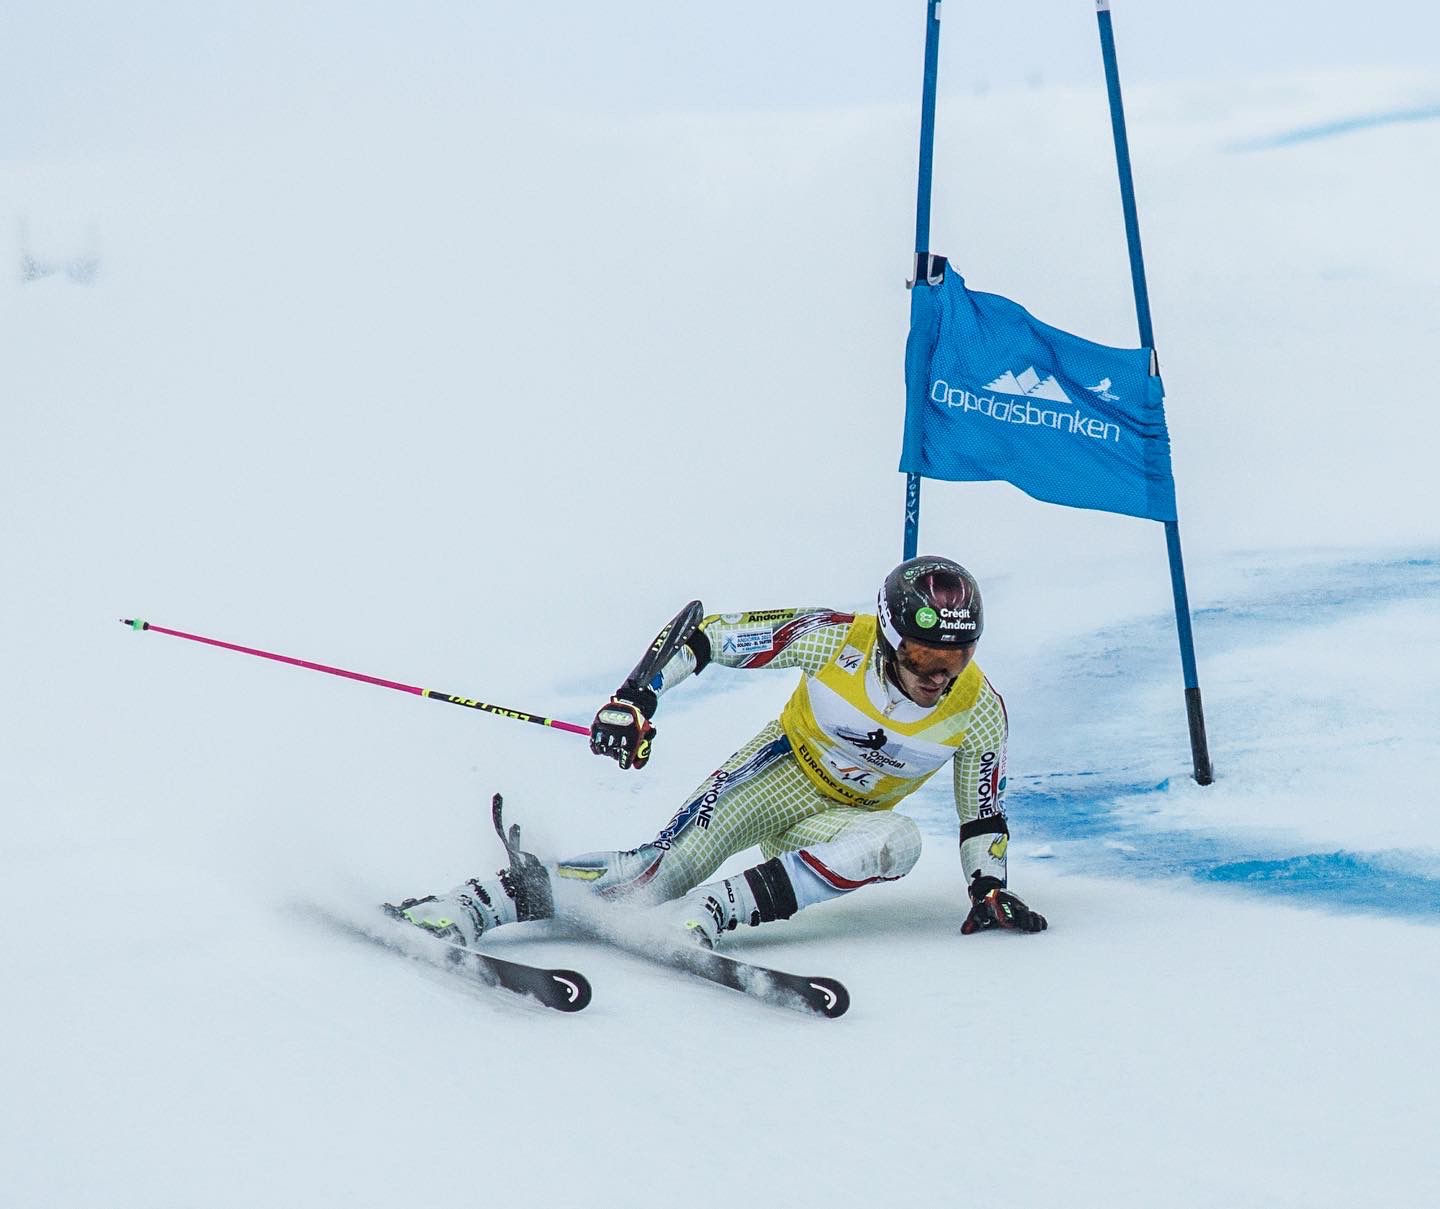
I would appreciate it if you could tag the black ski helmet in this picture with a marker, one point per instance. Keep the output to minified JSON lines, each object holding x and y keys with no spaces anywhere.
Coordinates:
{"x":931,"y":600}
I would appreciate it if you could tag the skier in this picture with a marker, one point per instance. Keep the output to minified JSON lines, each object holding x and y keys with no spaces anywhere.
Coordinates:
{"x":886,"y":700}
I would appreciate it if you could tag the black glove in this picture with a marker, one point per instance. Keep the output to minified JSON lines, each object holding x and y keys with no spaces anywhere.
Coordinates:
{"x":995,"y":907}
{"x":622,"y":729}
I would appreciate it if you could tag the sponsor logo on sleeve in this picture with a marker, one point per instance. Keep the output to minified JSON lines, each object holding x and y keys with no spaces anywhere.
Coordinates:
{"x":987,"y":793}
{"x":748,"y":642}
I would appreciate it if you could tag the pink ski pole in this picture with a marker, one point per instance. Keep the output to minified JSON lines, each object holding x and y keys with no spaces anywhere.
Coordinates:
{"x":433,"y":694}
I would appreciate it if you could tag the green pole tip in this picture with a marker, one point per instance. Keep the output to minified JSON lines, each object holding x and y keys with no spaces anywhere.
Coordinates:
{"x":135,"y":624}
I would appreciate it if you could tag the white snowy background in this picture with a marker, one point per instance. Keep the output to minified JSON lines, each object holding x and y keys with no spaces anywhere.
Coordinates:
{"x":460,"y":345}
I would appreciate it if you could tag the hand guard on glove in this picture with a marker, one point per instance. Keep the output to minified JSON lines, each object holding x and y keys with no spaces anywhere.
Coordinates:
{"x":622,"y":729}
{"x":995,"y":907}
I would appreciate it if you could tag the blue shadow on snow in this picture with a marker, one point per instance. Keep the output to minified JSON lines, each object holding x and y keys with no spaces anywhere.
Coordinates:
{"x":1083,"y":822}
{"x":1325,"y":130}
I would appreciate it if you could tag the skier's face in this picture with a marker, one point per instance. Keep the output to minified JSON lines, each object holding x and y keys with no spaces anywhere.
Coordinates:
{"x":925,"y":672}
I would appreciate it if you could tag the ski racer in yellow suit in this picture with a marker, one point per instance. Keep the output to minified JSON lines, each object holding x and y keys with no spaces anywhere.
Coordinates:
{"x":886,"y":700}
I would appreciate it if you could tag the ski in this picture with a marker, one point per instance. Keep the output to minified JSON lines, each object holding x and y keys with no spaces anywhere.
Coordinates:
{"x":800,"y":992}
{"x":560,"y":989}
{"x":823,"y":996}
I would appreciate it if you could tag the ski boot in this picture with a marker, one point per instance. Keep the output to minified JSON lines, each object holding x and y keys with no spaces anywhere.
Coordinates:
{"x":758,"y":896}
{"x":516,"y":894}
{"x":702,"y":915}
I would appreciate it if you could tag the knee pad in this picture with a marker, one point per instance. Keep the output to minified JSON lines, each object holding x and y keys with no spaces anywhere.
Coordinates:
{"x":878,"y":847}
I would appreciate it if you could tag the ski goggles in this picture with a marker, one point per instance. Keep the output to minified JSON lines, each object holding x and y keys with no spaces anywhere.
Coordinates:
{"x":930,"y":663}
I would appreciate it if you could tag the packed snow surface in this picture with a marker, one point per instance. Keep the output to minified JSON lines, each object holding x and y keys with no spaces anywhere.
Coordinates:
{"x":368,"y":357}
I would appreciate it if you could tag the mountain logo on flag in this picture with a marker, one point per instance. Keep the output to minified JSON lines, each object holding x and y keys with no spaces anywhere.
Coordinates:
{"x":1031,"y":385}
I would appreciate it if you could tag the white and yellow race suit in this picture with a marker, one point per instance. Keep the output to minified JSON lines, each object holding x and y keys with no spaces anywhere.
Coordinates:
{"x":822,"y":779}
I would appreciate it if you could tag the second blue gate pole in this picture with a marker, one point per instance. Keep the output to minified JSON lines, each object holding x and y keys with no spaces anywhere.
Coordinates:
{"x":1199,"y":747}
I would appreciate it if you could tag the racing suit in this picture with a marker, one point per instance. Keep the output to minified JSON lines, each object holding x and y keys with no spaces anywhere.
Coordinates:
{"x":821,"y":781}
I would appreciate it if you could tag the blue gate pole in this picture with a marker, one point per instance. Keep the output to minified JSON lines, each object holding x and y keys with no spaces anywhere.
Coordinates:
{"x":922,"y":226}
{"x":1199,"y":749}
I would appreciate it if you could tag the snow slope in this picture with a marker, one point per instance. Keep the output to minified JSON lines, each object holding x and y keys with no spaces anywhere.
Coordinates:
{"x":388,"y":368}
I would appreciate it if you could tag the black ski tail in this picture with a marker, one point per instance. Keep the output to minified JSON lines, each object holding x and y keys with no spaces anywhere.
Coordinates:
{"x":808,"y":993}
{"x":563,"y":990}
{"x":817,"y":994}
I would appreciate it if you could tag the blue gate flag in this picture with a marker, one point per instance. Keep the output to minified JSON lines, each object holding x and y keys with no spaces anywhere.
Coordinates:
{"x":993,"y":393}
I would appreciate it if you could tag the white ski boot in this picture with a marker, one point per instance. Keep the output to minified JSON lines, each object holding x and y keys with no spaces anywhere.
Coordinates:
{"x":703,"y":914}
{"x":462,"y":916}
{"x":757,"y":896}
{"x":515,"y":895}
